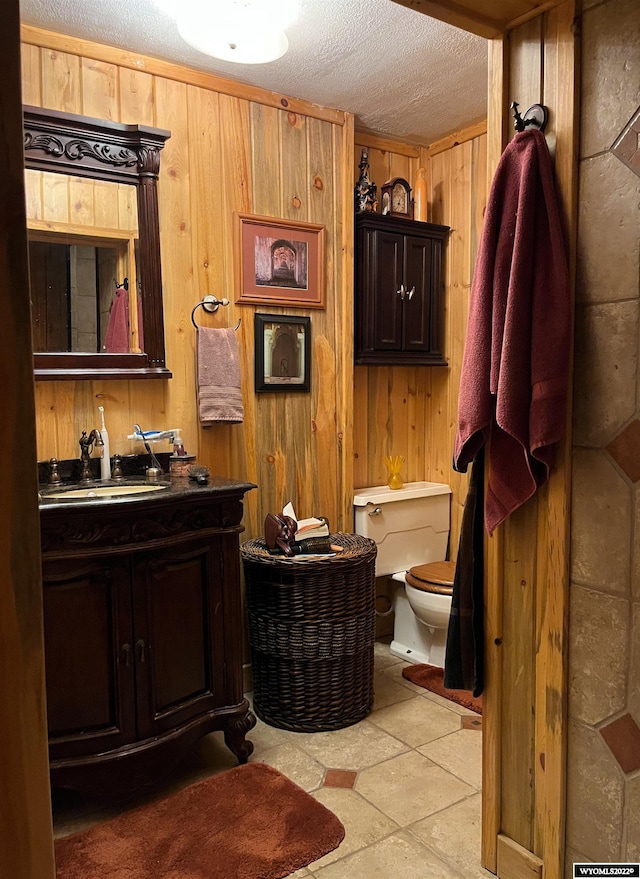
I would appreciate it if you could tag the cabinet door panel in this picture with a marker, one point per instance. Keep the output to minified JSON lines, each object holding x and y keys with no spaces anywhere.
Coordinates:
{"x":88,"y":656}
{"x":387,"y":281}
{"x":416,"y":325}
{"x":178,"y":622}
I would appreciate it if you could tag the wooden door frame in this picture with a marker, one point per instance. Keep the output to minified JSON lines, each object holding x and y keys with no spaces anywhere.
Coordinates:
{"x":26,"y":842}
{"x":551,"y":585}
{"x":26,"y":833}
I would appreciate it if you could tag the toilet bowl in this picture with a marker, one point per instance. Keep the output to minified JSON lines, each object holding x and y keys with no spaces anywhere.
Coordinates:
{"x":411,"y":529}
{"x":422,"y":606}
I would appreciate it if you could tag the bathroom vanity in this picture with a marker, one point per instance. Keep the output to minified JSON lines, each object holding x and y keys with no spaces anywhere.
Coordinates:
{"x":143,"y":629}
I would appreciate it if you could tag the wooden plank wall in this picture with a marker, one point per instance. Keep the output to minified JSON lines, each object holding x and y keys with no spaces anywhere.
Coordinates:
{"x":524,"y":735}
{"x":232,"y":148}
{"x":412,"y":410}
{"x":389,"y":401}
{"x":55,"y":199}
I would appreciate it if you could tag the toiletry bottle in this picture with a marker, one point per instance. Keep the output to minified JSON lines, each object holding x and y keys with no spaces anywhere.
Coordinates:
{"x":105,"y":461}
{"x":178,"y":446}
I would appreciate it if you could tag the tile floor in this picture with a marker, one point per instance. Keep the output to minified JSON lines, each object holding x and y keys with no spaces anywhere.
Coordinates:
{"x":405,"y":782}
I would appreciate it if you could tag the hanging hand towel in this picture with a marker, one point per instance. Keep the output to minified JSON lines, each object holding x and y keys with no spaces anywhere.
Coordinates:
{"x":514,"y":379}
{"x":117,"y":336}
{"x":218,"y":376}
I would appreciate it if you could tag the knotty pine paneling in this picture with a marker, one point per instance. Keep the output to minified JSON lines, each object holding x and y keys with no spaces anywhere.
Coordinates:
{"x":225,"y":154}
{"x":412,"y":411}
{"x":78,"y":201}
{"x":527,"y":559}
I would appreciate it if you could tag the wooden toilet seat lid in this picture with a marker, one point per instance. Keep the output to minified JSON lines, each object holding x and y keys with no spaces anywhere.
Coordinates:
{"x":433,"y":577}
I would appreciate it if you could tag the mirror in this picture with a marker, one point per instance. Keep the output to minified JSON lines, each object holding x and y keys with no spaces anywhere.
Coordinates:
{"x":94,"y":243}
{"x":83,"y":293}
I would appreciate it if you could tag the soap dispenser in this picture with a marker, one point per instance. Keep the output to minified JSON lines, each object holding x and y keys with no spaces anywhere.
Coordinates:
{"x":180,"y":461}
{"x":178,"y":445}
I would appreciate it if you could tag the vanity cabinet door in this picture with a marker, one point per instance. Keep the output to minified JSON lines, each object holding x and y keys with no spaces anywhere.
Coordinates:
{"x":178,"y":634}
{"x":88,"y":656}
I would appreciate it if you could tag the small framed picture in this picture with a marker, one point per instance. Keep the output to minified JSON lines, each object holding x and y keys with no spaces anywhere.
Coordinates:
{"x":279,"y":262}
{"x":282,"y":353}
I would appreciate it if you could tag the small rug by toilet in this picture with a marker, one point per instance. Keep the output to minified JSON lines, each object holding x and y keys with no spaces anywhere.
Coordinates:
{"x":431,"y":678}
{"x":249,"y":822}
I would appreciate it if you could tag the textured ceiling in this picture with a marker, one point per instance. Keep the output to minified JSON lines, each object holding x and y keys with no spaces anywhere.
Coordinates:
{"x":402,"y":74}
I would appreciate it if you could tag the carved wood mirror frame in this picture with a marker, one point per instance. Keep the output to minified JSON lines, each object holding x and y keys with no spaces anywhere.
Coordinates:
{"x":85,"y":147}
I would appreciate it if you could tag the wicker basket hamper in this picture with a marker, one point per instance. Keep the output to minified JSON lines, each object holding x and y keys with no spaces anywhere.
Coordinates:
{"x":311,"y":634}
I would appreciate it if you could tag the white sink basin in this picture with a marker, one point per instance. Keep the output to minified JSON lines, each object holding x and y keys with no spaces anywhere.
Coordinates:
{"x":102,"y":491}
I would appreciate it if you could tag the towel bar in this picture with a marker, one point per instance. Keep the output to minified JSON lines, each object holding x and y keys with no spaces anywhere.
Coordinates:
{"x":211,"y":304}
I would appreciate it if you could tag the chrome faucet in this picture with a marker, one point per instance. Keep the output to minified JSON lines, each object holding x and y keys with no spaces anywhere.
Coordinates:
{"x":155,"y":470}
{"x":86,"y":447}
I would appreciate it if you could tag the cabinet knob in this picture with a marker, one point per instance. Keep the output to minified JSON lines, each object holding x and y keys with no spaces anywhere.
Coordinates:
{"x":126,"y":649}
{"x":140,"y":646}
{"x":403,"y":292}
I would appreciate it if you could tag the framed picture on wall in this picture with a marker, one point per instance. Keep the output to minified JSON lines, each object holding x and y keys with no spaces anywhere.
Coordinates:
{"x":282,"y":353}
{"x":279,"y":262}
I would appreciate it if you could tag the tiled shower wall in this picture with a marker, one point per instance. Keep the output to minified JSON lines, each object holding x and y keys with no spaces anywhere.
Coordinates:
{"x":603,"y":809}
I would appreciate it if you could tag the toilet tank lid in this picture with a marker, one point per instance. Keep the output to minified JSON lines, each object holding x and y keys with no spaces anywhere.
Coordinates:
{"x":382,"y":494}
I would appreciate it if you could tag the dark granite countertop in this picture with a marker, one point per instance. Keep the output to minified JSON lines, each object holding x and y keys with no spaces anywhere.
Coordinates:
{"x":171,"y":488}
{"x":174,"y":488}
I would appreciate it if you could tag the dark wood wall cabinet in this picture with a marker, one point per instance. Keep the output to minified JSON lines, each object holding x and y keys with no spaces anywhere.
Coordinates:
{"x":398,"y":292}
{"x":143,"y":633}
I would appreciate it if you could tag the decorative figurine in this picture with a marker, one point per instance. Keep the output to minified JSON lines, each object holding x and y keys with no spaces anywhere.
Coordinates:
{"x":366,"y":192}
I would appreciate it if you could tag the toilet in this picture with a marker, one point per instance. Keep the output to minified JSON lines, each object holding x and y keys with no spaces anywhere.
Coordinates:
{"x":410,"y":527}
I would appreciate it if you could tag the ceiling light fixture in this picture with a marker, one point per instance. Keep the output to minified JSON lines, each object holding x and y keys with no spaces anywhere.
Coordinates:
{"x":244,"y":31}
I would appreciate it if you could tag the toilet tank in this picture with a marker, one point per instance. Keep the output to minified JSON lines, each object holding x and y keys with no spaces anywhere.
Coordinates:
{"x":410,"y":525}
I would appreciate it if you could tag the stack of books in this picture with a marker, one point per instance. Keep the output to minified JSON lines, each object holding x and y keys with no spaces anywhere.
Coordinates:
{"x":309,"y":528}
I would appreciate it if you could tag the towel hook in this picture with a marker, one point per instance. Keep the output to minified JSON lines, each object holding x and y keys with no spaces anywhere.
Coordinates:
{"x":535,"y":117}
{"x":210,"y":304}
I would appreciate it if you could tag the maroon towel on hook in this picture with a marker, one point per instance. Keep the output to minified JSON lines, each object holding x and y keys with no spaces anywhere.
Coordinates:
{"x":514,"y":381}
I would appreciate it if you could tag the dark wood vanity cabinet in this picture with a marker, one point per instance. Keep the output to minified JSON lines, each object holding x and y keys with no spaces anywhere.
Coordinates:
{"x":398,"y":290}
{"x":143,"y":636}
